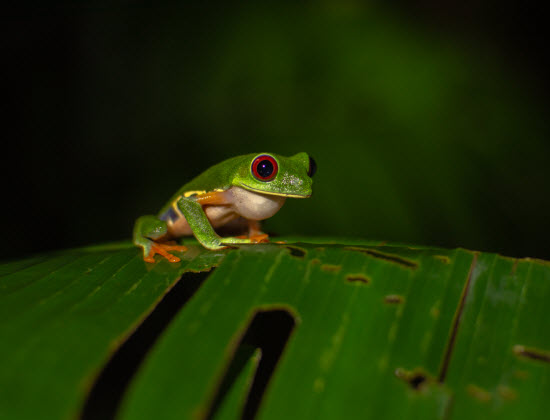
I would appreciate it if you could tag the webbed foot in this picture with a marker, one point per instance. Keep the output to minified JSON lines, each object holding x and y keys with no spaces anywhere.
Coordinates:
{"x":162,"y":248}
{"x":256,"y":239}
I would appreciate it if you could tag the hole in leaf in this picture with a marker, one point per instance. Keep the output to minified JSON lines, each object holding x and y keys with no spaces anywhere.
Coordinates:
{"x":394,"y":299}
{"x":296,"y":252}
{"x":108,"y":389}
{"x":479,"y":393}
{"x":443,"y":258}
{"x":331,"y":267}
{"x":532,"y":353}
{"x":384,"y":256}
{"x":268,"y":331}
{"x":358,"y":278}
{"x":416,"y":378}
{"x":456,"y":321}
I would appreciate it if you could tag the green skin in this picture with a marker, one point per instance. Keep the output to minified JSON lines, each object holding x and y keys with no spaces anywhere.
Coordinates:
{"x":291,"y":180}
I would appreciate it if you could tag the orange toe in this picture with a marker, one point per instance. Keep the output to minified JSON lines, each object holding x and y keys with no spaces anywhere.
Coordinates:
{"x":173,"y":246}
{"x":261,"y":238}
{"x":162,"y":249}
{"x":255,"y":238}
{"x":149,"y":258}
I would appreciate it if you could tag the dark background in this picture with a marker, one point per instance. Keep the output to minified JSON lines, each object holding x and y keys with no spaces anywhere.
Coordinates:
{"x":428,"y":119}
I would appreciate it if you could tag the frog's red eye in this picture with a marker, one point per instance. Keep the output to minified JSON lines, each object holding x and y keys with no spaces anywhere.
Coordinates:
{"x":264,"y":168}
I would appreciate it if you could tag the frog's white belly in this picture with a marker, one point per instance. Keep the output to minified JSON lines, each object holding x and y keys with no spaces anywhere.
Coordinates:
{"x":240,"y":203}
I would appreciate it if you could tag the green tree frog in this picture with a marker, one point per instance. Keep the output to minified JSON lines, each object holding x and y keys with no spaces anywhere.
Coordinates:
{"x":252,"y":187}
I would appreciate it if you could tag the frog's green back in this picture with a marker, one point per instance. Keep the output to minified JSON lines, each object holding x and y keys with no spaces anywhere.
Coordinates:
{"x":217,"y":177}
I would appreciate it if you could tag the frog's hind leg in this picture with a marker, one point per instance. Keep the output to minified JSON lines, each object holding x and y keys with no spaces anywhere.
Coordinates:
{"x":147,"y":231}
{"x":255,"y":233}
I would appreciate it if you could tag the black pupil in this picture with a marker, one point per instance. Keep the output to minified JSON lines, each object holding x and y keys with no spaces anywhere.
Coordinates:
{"x":312,"y":167}
{"x":264,"y":168}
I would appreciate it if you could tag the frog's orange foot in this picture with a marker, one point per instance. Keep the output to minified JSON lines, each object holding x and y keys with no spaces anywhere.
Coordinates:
{"x":162,"y":249}
{"x":255,"y":238}
{"x":259,"y":238}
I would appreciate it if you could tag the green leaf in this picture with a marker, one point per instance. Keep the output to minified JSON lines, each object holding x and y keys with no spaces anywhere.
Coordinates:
{"x":323,"y":329}
{"x":62,"y":316}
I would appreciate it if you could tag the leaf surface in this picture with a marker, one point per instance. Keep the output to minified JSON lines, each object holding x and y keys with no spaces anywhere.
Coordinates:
{"x":323,"y":329}
{"x":62,"y":316}
{"x":381,"y":332}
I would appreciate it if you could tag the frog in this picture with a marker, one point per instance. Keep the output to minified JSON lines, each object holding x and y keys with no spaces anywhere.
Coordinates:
{"x":249,"y":188}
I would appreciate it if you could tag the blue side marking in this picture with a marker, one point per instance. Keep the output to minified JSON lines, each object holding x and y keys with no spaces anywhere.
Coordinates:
{"x":169,"y":215}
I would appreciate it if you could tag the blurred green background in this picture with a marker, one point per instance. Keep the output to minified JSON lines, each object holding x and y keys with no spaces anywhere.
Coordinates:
{"x":427,"y":120}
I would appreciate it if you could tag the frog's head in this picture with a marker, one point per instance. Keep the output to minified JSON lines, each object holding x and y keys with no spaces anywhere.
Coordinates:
{"x":269,"y":173}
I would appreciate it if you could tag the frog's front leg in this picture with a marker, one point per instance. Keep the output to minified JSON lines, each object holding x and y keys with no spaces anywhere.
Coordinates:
{"x":200,"y":225}
{"x":147,"y":231}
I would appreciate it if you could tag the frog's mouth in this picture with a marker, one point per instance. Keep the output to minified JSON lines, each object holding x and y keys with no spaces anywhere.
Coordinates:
{"x":249,"y":188}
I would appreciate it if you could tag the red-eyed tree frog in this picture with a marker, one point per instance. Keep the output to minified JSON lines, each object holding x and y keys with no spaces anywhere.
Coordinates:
{"x":253,"y":187}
